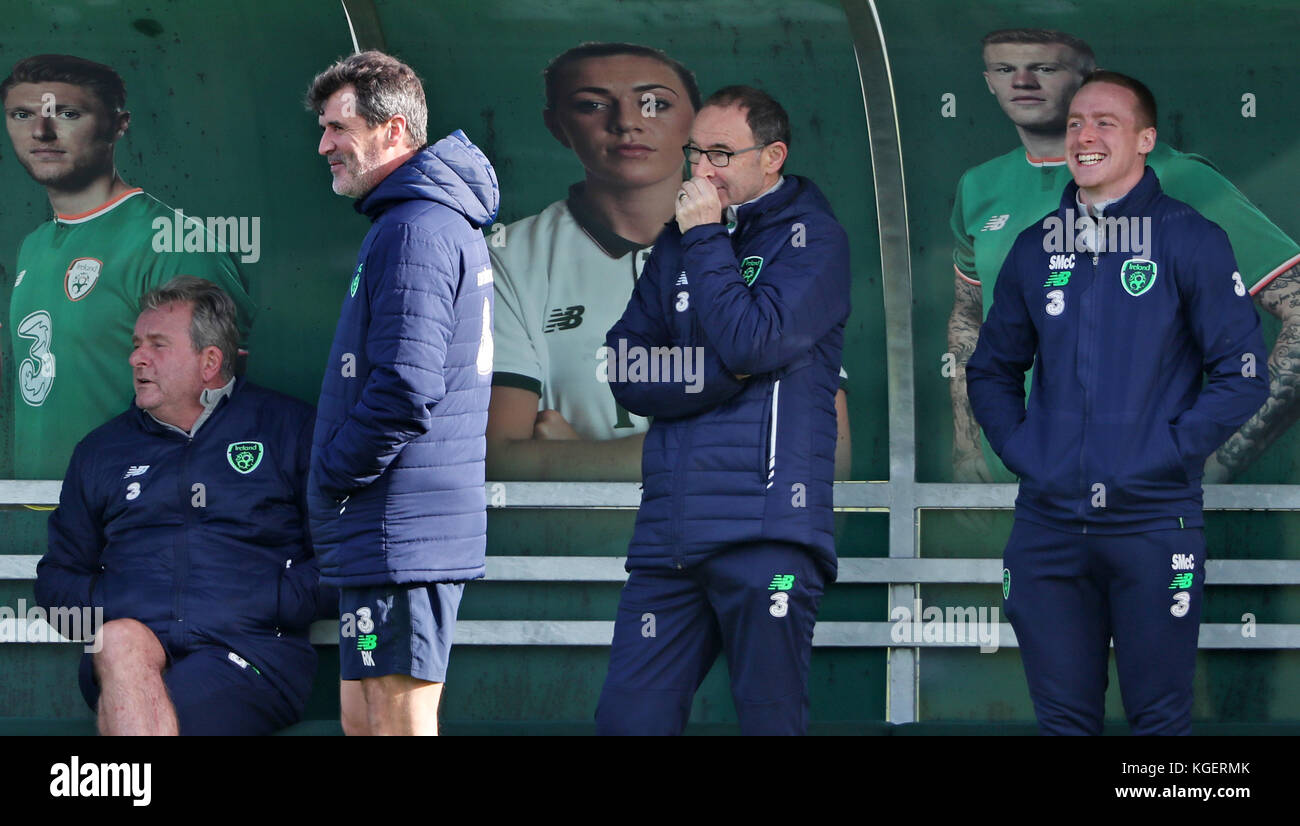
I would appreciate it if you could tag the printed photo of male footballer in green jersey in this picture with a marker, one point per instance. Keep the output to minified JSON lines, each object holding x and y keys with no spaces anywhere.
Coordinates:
{"x":80,"y":275}
{"x":1033,"y":74}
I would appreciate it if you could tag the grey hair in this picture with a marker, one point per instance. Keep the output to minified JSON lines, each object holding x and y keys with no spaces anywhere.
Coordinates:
{"x":214,"y":318}
{"x":385,"y":86}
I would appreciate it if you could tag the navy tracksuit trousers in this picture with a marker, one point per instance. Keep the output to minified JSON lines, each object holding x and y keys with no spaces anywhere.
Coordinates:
{"x":757,"y":603}
{"x":1069,"y":594}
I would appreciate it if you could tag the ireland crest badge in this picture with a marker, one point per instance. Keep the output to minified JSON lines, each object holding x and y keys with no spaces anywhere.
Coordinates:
{"x":244,"y":456}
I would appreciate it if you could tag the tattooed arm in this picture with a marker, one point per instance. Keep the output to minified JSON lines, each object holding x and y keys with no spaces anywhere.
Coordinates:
{"x":963,"y":333}
{"x":1281,"y":298}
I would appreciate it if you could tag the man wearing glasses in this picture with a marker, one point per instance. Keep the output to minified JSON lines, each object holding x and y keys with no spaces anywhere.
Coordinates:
{"x":734,"y":537}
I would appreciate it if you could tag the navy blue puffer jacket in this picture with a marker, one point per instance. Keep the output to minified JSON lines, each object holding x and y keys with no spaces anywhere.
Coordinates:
{"x":729,"y":461}
{"x":397,"y":461}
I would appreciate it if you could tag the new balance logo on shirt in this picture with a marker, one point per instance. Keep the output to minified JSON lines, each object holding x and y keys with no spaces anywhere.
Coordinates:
{"x":995,"y":223}
{"x":564,"y":319}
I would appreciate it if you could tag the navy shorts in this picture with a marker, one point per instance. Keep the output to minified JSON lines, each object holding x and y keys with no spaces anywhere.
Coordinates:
{"x":757,"y":603}
{"x":397,"y":629}
{"x":214,"y":691}
{"x":1068,"y":595}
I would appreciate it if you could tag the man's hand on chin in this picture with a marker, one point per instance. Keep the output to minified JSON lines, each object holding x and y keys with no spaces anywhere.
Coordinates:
{"x":697,"y":203}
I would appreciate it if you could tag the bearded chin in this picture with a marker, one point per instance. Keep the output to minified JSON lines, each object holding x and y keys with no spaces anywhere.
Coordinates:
{"x":365,"y":182}
{"x":73,"y":180}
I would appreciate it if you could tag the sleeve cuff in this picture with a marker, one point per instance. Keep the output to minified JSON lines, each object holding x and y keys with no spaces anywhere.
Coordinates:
{"x":964,"y":277}
{"x":517,"y":380}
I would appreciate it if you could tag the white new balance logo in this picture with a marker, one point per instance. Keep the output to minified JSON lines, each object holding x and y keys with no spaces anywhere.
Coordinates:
{"x":135,"y":470}
{"x":995,"y":223}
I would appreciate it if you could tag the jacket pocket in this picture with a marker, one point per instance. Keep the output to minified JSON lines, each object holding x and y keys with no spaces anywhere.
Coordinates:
{"x":768,"y":435}
{"x":1149,"y":461}
{"x":97,"y":594}
{"x":1192,"y":471}
{"x":1011,"y":456}
{"x":1175,"y":464}
{"x":278,"y":617}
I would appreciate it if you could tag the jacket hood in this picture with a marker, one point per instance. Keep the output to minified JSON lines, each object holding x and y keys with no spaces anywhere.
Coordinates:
{"x":452,"y":172}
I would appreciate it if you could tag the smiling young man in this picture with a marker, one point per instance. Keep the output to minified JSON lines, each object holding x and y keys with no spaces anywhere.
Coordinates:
{"x":398,"y":506}
{"x":184,"y":520}
{"x":733,"y":542}
{"x":81,"y":273}
{"x":1033,"y":74}
{"x":1108,"y":541}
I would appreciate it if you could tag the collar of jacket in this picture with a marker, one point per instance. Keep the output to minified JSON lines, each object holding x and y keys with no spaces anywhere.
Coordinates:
{"x":452,"y":172}
{"x":778,"y":199}
{"x":151,"y":425}
{"x":1134,"y":202}
{"x":747,"y":216}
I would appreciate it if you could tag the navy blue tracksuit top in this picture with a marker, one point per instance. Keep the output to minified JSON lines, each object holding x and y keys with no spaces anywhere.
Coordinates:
{"x":749,"y":460}
{"x":1145,"y":361}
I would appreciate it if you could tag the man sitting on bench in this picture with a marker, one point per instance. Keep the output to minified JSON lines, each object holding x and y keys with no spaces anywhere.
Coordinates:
{"x":184,"y":520}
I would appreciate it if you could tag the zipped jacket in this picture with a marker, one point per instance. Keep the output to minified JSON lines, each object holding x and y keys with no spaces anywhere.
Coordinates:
{"x":1147,"y":355}
{"x":203,"y":539}
{"x":742,"y":446}
{"x":397,"y":464}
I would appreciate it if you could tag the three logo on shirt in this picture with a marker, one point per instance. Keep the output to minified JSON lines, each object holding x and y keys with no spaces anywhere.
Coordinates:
{"x":1136,"y":276}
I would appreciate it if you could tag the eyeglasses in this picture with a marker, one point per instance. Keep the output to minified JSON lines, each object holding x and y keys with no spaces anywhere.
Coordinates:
{"x":717,"y":157}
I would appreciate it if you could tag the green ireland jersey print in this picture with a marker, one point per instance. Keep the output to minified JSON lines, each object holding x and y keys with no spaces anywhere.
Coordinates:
{"x":998,"y":199}
{"x":75,"y":300}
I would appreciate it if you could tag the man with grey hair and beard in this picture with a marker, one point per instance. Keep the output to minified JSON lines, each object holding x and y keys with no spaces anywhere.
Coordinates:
{"x":184,"y":522}
{"x":397,"y":501}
